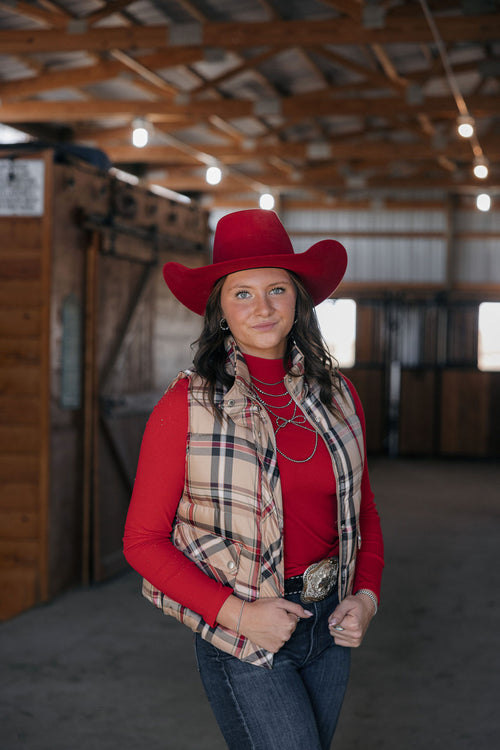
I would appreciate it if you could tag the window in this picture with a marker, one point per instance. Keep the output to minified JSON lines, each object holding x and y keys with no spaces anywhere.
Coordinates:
{"x":337,"y":322}
{"x":488,"y":350}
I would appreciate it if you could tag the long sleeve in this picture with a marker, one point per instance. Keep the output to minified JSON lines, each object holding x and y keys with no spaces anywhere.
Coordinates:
{"x":370,"y":561}
{"x":158,"y":488}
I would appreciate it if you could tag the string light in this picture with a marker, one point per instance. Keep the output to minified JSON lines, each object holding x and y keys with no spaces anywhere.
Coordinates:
{"x":483,"y":202}
{"x":465,"y":126}
{"x":480,"y":168}
{"x":266,"y":201}
{"x":140,"y":133}
{"x":213,"y":175}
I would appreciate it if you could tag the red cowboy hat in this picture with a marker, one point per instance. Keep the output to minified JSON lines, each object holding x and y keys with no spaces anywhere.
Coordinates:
{"x":256,"y":238}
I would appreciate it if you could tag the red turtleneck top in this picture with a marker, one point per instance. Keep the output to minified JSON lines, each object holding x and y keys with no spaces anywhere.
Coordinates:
{"x":308,"y":489}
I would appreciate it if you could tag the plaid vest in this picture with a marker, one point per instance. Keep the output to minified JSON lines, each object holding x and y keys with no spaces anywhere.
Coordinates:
{"x":230,"y":516}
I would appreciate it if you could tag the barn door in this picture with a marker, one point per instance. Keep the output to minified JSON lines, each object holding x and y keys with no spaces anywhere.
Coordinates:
{"x":118,"y":374}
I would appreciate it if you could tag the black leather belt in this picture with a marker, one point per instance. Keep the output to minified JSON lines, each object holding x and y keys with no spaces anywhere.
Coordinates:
{"x":316,"y":583}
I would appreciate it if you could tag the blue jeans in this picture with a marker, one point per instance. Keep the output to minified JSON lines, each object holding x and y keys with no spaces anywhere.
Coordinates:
{"x":293,"y":706}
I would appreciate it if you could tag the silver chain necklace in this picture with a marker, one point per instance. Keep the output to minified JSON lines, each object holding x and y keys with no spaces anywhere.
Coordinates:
{"x":275,"y":395}
{"x":263,"y":382}
{"x":297,"y":420}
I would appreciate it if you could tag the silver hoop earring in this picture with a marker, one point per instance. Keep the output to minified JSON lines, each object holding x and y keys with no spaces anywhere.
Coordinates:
{"x":223,"y":325}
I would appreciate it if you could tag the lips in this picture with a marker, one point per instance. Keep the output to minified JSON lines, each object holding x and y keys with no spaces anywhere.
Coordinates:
{"x":263,"y":326}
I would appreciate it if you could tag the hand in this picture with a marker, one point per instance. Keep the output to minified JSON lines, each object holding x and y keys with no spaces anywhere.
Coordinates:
{"x":268,"y":623}
{"x":353,"y":615}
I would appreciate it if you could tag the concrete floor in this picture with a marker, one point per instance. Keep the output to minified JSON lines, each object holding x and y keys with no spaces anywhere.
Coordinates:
{"x":101,"y":669}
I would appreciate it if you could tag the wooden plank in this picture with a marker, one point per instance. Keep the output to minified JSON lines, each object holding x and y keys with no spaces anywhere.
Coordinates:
{"x":20,"y":233}
{"x":16,"y":265}
{"x":18,"y":553}
{"x":18,"y":591}
{"x":416,"y":424}
{"x":23,"y":294}
{"x":19,"y":410}
{"x":18,"y":496}
{"x":14,"y":323}
{"x":24,"y":440}
{"x":14,"y":468}
{"x":20,"y":381}
{"x":464,"y":420}
{"x":15,"y":352}
{"x":15,"y":524}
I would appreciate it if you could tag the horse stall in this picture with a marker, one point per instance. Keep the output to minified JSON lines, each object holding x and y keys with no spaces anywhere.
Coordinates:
{"x":89,"y":338}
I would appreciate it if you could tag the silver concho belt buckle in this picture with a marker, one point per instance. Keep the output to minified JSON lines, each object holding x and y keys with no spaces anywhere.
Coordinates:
{"x":319,"y":580}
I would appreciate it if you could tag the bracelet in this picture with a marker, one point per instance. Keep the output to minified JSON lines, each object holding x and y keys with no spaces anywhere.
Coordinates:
{"x":371,"y":596}
{"x":239,"y":618}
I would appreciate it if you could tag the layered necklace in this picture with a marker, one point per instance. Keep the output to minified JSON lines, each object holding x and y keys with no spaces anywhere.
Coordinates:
{"x":297,"y":419}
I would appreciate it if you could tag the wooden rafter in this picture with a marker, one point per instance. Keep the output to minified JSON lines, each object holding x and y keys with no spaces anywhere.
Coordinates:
{"x":378,"y":151}
{"x":293,"y":106}
{"x":107,"y":10}
{"x":35,"y":13}
{"x":240,"y":35}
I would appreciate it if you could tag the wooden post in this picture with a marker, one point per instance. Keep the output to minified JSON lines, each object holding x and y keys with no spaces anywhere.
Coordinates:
{"x":90,"y":400}
{"x":46,"y":301}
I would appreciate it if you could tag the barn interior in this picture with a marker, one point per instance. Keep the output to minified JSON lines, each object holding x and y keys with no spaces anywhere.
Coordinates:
{"x":127,"y":129}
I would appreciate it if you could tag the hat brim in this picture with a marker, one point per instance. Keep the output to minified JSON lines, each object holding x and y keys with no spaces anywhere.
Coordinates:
{"x":321,"y":269}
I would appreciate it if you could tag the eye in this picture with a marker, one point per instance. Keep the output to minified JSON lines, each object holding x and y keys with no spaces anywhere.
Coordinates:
{"x":278,"y":290}
{"x":242,"y":294}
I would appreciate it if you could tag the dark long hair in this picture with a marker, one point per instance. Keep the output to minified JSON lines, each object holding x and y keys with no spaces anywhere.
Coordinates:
{"x":210,"y":357}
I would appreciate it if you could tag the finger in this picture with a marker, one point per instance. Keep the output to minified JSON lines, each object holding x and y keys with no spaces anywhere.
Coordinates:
{"x":295,"y":609}
{"x":338,"y":615}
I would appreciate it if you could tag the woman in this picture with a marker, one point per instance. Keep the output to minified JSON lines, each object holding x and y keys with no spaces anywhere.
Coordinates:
{"x":252,"y":518}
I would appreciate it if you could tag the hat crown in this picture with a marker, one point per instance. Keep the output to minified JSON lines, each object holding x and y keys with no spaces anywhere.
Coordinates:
{"x":251,"y":233}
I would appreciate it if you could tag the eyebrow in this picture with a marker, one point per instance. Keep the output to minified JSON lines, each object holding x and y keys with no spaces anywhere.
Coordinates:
{"x":279,"y":282}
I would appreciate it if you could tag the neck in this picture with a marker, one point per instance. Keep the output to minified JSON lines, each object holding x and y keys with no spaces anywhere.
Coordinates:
{"x":269,"y":370}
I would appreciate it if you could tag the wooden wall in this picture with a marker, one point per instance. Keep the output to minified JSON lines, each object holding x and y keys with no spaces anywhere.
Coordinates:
{"x":25,"y":247}
{"x":67,"y":468}
{"x":442,"y":405}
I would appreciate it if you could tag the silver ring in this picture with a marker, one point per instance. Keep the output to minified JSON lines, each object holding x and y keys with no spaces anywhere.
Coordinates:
{"x":338,"y":627}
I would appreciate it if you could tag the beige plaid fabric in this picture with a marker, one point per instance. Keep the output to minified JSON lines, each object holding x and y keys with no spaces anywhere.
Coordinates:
{"x":230,"y":519}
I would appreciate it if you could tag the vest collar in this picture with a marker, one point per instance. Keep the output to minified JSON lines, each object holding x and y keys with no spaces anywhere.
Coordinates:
{"x":235,"y":398}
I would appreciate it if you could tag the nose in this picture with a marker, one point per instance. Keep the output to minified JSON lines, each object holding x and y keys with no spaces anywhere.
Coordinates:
{"x":263,"y":305}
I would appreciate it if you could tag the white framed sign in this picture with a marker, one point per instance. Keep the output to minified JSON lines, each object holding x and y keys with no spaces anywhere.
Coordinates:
{"x":22,"y":186}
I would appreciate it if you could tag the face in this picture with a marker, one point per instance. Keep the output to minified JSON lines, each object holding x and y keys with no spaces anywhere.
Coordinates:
{"x":259,"y":306}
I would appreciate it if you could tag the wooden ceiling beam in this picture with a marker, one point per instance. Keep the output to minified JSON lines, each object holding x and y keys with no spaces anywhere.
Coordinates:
{"x":107,"y":10}
{"x":144,"y":72}
{"x":88,"y":74}
{"x":377,"y":79}
{"x":380,"y":151}
{"x":279,"y":183}
{"x":35,"y":13}
{"x":350,"y":8}
{"x":241,"y":68}
{"x":300,"y":106}
{"x":388,"y":66}
{"x":240,"y":35}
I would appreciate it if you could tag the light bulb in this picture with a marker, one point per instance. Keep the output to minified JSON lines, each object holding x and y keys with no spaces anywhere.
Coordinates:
{"x":266,"y":201}
{"x":465,"y":126}
{"x":213,"y":175}
{"x":483,"y":202}
{"x":480,"y":168}
{"x":140,"y":137}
